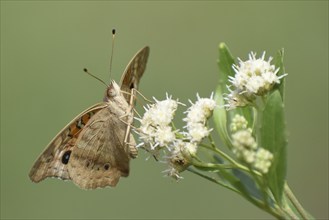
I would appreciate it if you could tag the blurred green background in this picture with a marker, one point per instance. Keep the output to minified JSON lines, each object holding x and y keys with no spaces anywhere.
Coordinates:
{"x":45,"y":46}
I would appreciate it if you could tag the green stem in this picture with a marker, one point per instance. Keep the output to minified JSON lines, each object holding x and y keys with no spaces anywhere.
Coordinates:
{"x":213,"y":166}
{"x":228,"y":158}
{"x":212,"y":142}
{"x":221,"y":153}
{"x":299,"y":208}
{"x":290,"y":213}
{"x":255,"y":115}
{"x":213,"y":180}
{"x":262,"y":187}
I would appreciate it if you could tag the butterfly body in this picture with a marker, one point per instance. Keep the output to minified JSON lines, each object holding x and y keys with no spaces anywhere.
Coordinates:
{"x":91,"y":150}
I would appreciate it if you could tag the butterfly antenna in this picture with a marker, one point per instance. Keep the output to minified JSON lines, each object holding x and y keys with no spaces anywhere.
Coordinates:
{"x":111,"y":58}
{"x":86,"y":71}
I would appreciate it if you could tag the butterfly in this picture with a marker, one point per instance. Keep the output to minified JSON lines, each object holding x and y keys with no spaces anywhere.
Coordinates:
{"x":95,"y":148}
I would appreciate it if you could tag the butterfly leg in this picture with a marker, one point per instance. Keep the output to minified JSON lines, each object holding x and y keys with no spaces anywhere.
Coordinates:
{"x":139,"y":93}
{"x":129,"y":140}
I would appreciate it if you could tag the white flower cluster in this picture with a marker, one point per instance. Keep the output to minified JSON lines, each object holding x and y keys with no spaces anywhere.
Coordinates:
{"x":196,"y":117}
{"x":156,"y":132}
{"x":245,"y":146}
{"x":254,"y":77}
{"x":155,"y":129}
{"x":263,"y":160}
{"x":177,"y":159}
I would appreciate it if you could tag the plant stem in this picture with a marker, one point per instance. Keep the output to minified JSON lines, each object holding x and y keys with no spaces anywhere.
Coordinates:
{"x":214,"y":180}
{"x":262,"y":187}
{"x":228,"y":158}
{"x":299,"y":208}
{"x":212,"y":166}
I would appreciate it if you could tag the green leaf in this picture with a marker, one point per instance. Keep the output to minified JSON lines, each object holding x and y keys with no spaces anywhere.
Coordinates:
{"x":241,"y":181}
{"x":278,"y":62}
{"x":225,"y":62}
{"x":248,"y":183}
{"x":222,"y":117}
{"x":272,"y":136}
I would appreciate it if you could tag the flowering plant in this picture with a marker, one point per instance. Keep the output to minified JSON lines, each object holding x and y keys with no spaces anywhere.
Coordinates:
{"x":248,"y":112}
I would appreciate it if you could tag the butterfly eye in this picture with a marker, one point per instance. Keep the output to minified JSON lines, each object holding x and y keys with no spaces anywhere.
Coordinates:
{"x":111,"y":92}
{"x":66,"y":157}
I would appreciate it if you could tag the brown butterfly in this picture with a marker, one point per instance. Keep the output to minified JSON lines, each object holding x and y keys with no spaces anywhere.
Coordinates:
{"x":94,"y":149}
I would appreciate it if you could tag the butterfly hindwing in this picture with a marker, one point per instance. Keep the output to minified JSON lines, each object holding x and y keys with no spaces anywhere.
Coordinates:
{"x":51,"y":162}
{"x":100,"y":157}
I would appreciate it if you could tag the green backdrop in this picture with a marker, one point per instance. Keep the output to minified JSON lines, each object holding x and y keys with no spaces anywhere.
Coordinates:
{"x":45,"y":46}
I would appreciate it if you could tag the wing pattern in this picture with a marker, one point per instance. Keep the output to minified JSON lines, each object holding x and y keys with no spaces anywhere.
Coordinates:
{"x":50,"y":162}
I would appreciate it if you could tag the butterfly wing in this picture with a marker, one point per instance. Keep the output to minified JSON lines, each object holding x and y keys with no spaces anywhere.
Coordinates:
{"x":94,"y":155}
{"x":100,"y":156}
{"x":51,"y":162}
{"x":133,"y":72}
{"x":130,"y":80}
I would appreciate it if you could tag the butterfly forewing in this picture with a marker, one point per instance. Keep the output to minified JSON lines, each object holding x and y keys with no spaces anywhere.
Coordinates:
{"x":133,"y":72}
{"x":51,"y":162}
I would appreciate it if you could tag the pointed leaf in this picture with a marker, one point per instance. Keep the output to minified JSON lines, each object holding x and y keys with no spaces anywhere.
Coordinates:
{"x":278,"y":62}
{"x":248,"y":183}
{"x":272,"y":136}
{"x":225,"y":62}
{"x":222,"y":117}
{"x":240,"y":181}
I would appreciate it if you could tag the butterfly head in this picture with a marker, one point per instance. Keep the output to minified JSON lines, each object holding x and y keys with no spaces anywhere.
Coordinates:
{"x":112,"y":91}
